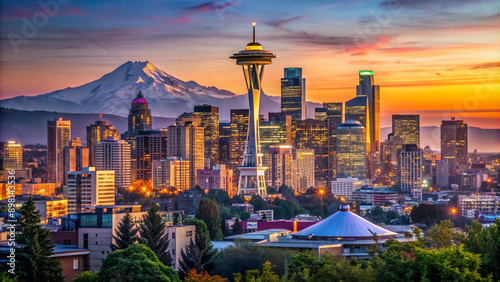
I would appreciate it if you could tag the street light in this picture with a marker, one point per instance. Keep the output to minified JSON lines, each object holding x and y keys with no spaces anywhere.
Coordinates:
{"x":321,"y":193}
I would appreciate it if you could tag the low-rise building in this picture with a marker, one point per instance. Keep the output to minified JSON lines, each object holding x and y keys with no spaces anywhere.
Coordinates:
{"x":478,"y":204}
{"x":343,"y":187}
{"x":374,"y":196}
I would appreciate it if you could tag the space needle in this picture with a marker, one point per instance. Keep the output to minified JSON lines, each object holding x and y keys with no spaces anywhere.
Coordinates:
{"x":253,"y":59}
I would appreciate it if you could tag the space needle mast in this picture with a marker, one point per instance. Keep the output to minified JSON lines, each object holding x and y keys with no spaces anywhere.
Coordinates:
{"x":253,"y":59}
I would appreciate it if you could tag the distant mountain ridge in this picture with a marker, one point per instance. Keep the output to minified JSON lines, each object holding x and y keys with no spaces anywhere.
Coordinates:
{"x":167,"y":95}
{"x":30,"y":127}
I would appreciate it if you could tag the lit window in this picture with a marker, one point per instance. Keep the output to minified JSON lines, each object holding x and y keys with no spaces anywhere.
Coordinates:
{"x":76,"y":264}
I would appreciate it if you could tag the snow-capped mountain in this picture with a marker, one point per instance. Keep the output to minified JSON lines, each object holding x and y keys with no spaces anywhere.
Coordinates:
{"x":111,"y":94}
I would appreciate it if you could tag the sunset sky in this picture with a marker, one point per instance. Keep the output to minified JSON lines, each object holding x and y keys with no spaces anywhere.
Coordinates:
{"x":434,"y":58}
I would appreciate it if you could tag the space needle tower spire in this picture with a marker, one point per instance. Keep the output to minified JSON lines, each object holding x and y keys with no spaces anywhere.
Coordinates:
{"x":253,"y":59}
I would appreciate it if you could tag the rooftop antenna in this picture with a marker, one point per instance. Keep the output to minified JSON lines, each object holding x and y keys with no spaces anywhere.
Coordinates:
{"x":253,"y":23}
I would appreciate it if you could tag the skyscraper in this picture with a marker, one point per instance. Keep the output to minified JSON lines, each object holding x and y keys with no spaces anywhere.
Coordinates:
{"x":304,"y":162}
{"x":239,"y":130}
{"x":313,"y":134}
{"x":149,"y":146}
{"x":367,"y":88}
{"x":351,"y":150}
{"x":253,"y":59}
{"x":139,"y":117}
{"x":114,"y":155}
{"x":13,"y":156}
{"x":454,"y":144}
{"x":171,"y":172}
{"x":442,"y":173}
{"x":90,"y":187}
{"x":209,"y":116}
{"x":389,"y":157}
{"x":407,"y":128}
{"x":277,"y":130}
{"x":76,"y":157}
{"x":58,"y":137}
{"x":357,"y":109}
{"x":282,"y":169}
{"x":320,"y":113}
{"x":186,"y":141}
{"x":410,"y":163}
{"x":224,"y":142}
{"x":293,"y":93}
{"x":335,"y":117}
{"x":98,"y":132}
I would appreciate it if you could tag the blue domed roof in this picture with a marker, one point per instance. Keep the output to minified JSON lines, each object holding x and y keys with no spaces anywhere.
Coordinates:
{"x":343,"y":225}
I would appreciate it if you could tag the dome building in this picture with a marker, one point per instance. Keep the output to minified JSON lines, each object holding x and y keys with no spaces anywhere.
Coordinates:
{"x":343,"y":233}
{"x":139,"y":117}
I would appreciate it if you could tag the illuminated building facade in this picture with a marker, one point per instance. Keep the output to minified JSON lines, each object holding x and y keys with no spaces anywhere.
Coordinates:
{"x":13,"y":156}
{"x":239,"y":129}
{"x":407,"y":128}
{"x":171,"y":172}
{"x":217,"y":178}
{"x":115,"y":155}
{"x":454,"y":144}
{"x":224,"y":142}
{"x":367,"y":88}
{"x":304,"y":159}
{"x":186,"y":141}
{"x":351,"y":150}
{"x":335,"y":117}
{"x":76,"y":157}
{"x":90,"y":187}
{"x":410,"y":167}
{"x":313,"y":134}
{"x":389,"y":157}
{"x":98,"y":132}
{"x":281,"y":168}
{"x":58,"y":137}
{"x":293,"y":94}
{"x":139,"y":117}
{"x":343,"y":187}
{"x":149,"y":146}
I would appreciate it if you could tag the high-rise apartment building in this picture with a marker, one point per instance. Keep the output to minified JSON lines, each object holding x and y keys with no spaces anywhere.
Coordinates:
{"x":12,"y":156}
{"x":186,"y":141}
{"x":281,"y":168}
{"x":98,"y":132}
{"x":389,"y":157}
{"x":209,"y":116}
{"x":139,"y":117}
{"x":171,"y":172}
{"x":351,"y":150}
{"x":224,"y":142}
{"x":239,"y":129}
{"x":442,"y":173}
{"x":149,"y":146}
{"x":454,"y":145}
{"x":276,"y":131}
{"x":313,"y":134}
{"x":219,"y":177}
{"x":115,"y":155}
{"x":58,"y":137}
{"x":410,"y":165}
{"x":76,"y":157}
{"x":335,"y":117}
{"x":304,"y":159}
{"x":320,"y":113}
{"x":90,"y":187}
{"x":367,"y":88}
{"x":293,"y":94}
{"x":407,"y":128}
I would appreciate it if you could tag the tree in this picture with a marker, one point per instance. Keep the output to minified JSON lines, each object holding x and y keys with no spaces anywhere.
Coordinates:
{"x":237,"y":228}
{"x":209,"y":213}
{"x":485,"y":242}
{"x":199,"y":253}
{"x":267,"y":274}
{"x":442,"y":235}
{"x":136,"y":263}
{"x":153,"y":235}
{"x":34,"y":260}
{"x":259,"y":203}
{"x":86,"y":276}
{"x":219,"y":196}
{"x":244,"y":215}
{"x":194,"y":276}
{"x":126,"y":233}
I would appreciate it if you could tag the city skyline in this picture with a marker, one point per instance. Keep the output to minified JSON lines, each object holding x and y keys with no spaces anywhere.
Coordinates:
{"x":458,"y":72}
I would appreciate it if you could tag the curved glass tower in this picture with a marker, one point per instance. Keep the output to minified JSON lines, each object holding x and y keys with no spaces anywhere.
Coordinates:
{"x":253,"y":59}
